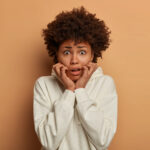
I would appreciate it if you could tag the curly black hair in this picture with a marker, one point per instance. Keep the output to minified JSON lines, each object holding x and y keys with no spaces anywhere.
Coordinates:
{"x":80,"y":26}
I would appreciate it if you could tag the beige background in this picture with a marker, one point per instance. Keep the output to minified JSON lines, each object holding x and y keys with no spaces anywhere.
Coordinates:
{"x":24,"y":58}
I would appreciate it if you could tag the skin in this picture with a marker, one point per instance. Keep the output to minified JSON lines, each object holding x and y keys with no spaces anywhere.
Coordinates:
{"x":69,"y":56}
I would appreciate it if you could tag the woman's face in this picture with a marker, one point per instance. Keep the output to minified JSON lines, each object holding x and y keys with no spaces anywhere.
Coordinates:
{"x":74,"y":57}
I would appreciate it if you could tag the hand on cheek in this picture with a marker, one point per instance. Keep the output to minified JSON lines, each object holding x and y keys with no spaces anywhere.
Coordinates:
{"x":87,"y":72}
{"x":60,"y":70}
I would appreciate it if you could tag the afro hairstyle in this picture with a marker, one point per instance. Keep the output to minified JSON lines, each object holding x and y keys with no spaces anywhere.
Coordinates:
{"x":80,"y":26}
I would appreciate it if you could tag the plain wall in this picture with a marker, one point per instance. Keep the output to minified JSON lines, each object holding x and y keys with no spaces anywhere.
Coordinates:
{"x":24,"y":58}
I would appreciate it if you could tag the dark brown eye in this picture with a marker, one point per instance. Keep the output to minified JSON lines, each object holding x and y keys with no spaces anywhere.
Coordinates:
{"x":82,"y":52}
{"x":66,"y":52}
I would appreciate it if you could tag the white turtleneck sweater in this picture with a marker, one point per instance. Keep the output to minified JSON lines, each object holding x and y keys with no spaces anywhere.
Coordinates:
{"x":85,"y":119}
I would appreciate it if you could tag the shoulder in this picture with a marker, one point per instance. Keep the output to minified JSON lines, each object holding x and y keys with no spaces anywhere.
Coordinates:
{"x":43,"y":80}
{"x":46,"y":86}
{"x":109,"y":85}
{"x":105,"y":83}
{"x":105,"y":78}
{"x":109,"y":79}
{"x":100,"y":76}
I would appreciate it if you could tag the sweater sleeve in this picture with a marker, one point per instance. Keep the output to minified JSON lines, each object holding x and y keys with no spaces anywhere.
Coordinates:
{"x":52,"y":122}
{"x":98,"y":116}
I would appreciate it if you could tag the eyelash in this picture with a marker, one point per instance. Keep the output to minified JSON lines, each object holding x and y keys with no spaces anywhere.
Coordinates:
{"x":80,"y":51}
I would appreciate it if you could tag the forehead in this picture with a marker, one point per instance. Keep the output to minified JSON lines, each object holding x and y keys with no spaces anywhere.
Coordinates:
{"x":72,"y":43}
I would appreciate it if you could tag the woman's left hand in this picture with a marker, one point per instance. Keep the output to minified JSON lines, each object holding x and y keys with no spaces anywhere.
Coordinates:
{"x":87,"y":72}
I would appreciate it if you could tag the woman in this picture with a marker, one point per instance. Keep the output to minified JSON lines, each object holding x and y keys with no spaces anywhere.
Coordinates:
{"x":75,"y":108}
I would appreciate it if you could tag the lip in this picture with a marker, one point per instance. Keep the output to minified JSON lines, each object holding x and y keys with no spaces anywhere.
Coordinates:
{"x":75,"y":68}
{"x":75,"y":73}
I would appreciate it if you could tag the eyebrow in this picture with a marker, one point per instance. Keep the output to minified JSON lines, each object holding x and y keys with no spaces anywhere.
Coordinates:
{"x":71,"y":47}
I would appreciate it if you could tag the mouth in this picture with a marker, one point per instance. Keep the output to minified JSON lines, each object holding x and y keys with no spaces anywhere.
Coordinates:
{"x":75,"y":71}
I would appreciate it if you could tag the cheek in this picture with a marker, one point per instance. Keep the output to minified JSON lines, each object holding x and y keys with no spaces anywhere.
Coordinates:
{"x":85,"y":61}
{"x":64,"y":61}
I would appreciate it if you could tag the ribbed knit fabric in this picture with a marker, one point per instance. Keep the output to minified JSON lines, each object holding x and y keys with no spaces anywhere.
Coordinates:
{"x":85,"y":119}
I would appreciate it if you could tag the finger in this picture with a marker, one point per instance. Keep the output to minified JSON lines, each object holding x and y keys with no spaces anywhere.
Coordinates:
{"x":90,"y":67}
{"x":57,"y":64}
{"x":64,"y":77}
{"x":85,"y":71}
{"x":58,"y":70}
{"x":66,"y":68}
{"x":94,"y":67}
{"x":61,"y":70}
{"x":63,"y":73}
{"x":58,"y":67}
{"x":55,"y":68}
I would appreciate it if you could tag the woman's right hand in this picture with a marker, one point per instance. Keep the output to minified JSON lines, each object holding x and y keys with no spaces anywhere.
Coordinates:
{"x":60,"y":70}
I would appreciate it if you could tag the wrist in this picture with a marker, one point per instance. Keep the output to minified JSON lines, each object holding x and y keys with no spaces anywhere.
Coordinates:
{"x":72,"y":89}
{"x":79,"y":87}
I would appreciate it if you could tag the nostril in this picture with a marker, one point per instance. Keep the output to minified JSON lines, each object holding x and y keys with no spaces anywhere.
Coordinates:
{"x":73,"y":62}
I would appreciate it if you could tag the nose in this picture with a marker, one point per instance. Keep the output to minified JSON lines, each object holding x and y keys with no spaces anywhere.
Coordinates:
{"x":74,"y":59}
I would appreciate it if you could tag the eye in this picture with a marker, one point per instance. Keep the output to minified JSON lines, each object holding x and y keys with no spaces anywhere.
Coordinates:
{"x":82,"y":52}
{"x":66,"y":52}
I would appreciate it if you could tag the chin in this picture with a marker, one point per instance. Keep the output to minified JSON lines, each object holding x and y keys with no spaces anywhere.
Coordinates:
{"x":75,"y":78}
